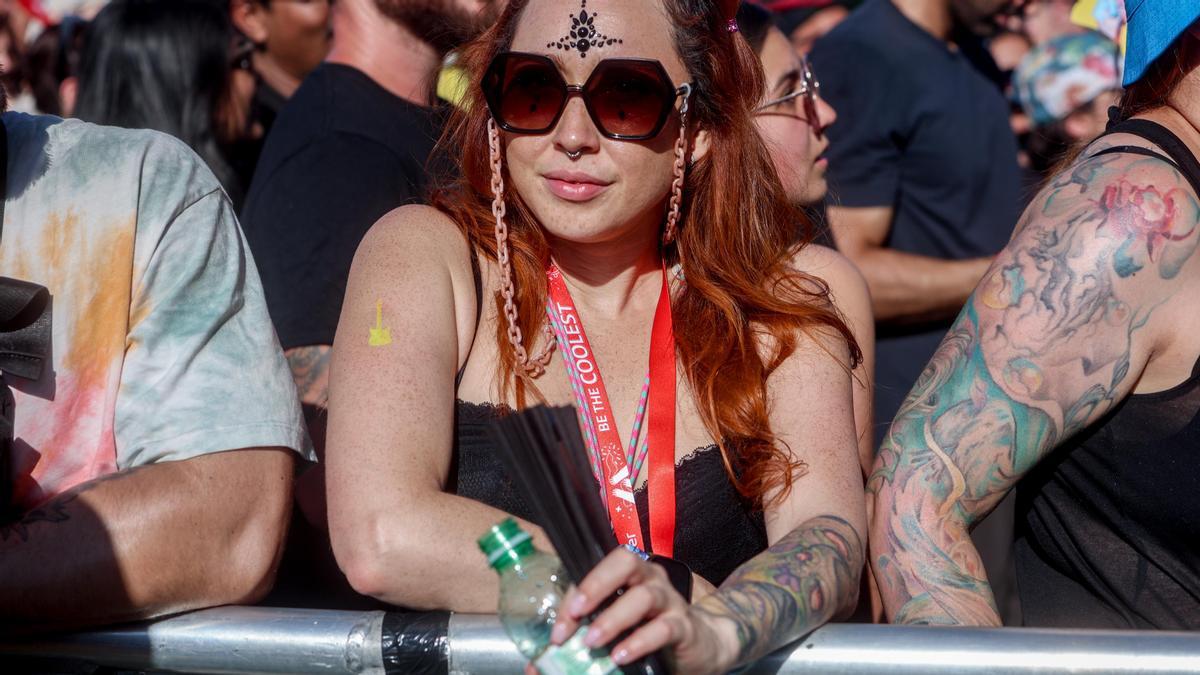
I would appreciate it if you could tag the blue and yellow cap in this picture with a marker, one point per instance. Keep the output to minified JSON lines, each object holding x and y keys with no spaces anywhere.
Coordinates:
{"x":1154,"y":25}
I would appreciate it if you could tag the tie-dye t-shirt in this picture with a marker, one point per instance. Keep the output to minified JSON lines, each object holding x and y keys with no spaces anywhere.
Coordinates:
{"x":162,"y":346}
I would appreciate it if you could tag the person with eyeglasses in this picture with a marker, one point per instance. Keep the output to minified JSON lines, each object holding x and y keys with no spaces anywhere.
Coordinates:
{"x":619,"y":241}
{"x":792,"y":120}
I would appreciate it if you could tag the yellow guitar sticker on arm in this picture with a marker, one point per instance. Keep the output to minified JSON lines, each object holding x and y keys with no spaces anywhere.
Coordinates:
{"x":380,"y":336}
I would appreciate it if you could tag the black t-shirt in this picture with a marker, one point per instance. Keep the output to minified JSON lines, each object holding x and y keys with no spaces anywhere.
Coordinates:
{"x":923,"y":130}
{"x":342,"y":153}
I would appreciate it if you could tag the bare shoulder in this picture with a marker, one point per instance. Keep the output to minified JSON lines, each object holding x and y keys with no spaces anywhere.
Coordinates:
{"x":829,"y":281}
{"x":846,"y":282}
{"x":1122,"y":214}
{"x":848,"y":291}
{"x":1094,"y":284}
{"x":415,"y":257}
{"x":414,"y":235}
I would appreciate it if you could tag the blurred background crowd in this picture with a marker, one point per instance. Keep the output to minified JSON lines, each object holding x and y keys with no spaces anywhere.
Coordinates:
{"x":216,"y":73}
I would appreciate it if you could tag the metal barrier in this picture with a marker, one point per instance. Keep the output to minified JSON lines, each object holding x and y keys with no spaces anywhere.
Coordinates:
{"x":241,"y":640}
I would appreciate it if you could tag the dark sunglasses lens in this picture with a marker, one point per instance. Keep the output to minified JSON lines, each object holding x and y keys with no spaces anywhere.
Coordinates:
{"x":629,"y":99}
{"x":529,"y":95}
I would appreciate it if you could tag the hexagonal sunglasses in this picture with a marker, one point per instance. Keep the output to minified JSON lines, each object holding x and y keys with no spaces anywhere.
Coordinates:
{"x":628,"y":99}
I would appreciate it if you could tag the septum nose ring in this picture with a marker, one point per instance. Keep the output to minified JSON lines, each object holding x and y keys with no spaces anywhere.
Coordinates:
{"x":574,"y":154}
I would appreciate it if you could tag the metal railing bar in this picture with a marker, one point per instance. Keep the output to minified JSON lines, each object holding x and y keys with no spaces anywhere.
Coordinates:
{"x":244,"y":640}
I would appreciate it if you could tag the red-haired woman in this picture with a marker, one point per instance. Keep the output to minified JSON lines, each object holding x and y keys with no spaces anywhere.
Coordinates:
{"x":616,"y":206}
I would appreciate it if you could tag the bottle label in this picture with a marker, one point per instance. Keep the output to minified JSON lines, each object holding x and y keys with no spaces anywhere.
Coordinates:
{"x":574,"y":658}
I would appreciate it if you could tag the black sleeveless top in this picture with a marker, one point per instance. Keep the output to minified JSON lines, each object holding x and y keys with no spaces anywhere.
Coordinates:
{"x":1108,"y":527}
{"x":716,"y":529}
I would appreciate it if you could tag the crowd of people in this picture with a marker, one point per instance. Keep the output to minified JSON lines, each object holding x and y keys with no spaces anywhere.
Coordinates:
{"x":871,"y":309}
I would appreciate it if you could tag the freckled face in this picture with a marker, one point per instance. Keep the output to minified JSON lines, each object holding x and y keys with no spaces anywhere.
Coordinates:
{"x":635,"y":176}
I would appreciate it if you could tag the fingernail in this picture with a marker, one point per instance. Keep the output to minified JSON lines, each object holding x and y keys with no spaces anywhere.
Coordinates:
{"x":559,"y":634}
{"x":621,"y":657}
{"x":594,"y":637}
{"x":577,"y":604}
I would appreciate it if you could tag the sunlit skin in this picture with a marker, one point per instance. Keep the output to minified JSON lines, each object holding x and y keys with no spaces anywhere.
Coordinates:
{"x":1047,"y":19}
{"x":797,"y":148}
{"x":795,"y":142}
{"x":1008,"y":49}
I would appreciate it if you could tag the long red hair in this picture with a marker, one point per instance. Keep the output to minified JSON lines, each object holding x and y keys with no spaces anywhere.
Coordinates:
{"x":736,"y":238}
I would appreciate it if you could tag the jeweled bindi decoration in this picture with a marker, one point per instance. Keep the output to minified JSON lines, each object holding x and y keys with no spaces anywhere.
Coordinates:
{"x":583,"y":35}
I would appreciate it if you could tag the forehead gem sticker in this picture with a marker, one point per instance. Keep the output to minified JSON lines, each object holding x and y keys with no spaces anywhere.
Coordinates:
{"x":583,"y":35}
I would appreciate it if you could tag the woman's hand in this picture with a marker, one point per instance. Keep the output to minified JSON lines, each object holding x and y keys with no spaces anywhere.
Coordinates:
{"x":699,"y":643}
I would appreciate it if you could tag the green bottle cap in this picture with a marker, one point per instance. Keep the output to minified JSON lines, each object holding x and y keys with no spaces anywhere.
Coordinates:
{"x":505,"y":543}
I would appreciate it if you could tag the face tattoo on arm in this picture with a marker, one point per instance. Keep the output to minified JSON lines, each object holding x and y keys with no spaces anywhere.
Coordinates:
{"x":583,"y":34}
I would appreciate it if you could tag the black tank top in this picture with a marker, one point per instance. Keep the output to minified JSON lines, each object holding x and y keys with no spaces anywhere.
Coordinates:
{"x":716,"y":529}
{"x":1108,"y":527}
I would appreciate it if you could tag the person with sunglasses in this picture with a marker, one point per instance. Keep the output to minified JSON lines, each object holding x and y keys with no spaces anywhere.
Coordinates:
{"x":619,"y":241}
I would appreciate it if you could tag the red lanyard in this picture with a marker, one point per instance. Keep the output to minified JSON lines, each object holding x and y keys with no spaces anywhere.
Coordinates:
{"x":616,"y":477}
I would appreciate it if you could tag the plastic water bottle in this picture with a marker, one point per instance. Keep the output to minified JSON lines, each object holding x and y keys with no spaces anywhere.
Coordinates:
{"x":532,"y":584}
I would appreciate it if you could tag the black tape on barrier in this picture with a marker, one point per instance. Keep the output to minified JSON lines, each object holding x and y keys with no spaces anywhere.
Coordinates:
{"x":416,"y":643}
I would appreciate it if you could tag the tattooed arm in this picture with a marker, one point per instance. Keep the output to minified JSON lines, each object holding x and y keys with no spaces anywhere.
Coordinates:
{"x":310,"y":370}
{"x":1076,"y":313}
{"x":806,"y":579}
{"x":157,"y":539}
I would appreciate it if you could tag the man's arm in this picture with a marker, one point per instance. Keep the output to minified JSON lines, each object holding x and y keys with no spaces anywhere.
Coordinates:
{"x":905,"y":287}
{"x":1060,"y":330}
{"x":310,"y":370}
{"x":153,"y":540}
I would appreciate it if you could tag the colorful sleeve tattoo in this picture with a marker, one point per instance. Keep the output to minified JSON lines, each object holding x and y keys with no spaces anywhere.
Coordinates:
{"x":1042,"y":349}
{"x":801,"y":582}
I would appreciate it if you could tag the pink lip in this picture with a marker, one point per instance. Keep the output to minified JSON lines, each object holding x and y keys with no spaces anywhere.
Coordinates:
{"x":575,"y":186}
